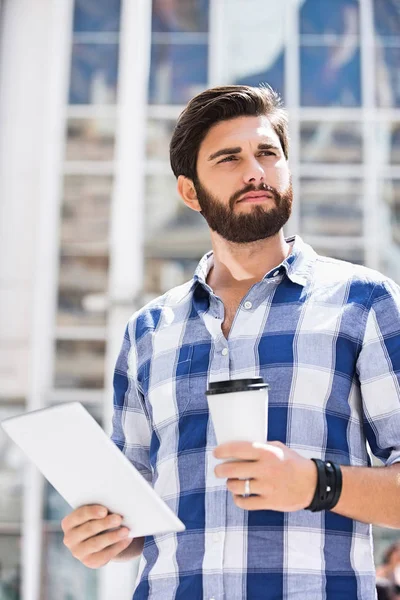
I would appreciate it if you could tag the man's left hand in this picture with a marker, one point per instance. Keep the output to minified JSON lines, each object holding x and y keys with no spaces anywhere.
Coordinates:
{"x":281,"y":478}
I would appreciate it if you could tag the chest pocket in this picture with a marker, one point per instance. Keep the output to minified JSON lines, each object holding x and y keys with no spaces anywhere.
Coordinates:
{"x":168,"y":387}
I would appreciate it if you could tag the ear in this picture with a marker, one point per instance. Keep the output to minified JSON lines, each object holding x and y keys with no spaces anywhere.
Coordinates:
{"x":187,"y":192}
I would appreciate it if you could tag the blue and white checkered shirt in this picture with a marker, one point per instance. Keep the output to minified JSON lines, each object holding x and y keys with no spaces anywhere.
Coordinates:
{"x":325,"y":335}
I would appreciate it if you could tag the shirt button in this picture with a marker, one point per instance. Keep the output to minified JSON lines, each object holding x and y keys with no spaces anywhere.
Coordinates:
{"x":275,"y":273}
{"x":248,"y":305}
{"x":225,"y":351}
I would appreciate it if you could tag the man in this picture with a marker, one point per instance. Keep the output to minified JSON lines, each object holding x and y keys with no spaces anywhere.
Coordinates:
{"x":388,"y":573}
{"x":325,"y":336}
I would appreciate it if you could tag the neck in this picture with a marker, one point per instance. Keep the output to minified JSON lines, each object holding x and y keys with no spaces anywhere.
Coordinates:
{"x":242,"y":265}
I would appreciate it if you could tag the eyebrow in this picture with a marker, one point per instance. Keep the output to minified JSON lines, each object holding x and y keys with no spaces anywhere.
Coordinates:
{"x":238,"y":149}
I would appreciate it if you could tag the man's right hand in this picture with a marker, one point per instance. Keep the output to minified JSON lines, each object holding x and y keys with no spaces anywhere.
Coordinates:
{"x":87,"y":538}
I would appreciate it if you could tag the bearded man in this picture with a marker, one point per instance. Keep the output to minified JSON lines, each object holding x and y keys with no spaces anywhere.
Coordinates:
{"x":323,"y":333}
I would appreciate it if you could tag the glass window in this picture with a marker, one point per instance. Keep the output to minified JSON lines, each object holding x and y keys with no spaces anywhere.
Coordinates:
{"x":395,"y":145}
{"x":86,"y":214}
{"x":97,"y":15}
{"x":12,"y":461}
{"x":329,"y":76}
{"x":90,"y":139}
{"x":328,"y":16}
{"x":10,"y":567}
{"x":172,"y":229}
{"x":252,"y":50}
{"x":387,"y":30}
{"x":82,"y":289}
{"x":354,"y":255}
{"x":330,"y":142}
{"x":388,"y":143}
{"x":180,"y":15}
{"x":387,"y":18}
{"x":163,"y":205}
{"x":391,"y":194}
{"x":330,"y":53}
{"x":159,"y":133}
{"x":177,"y":72}
{"x":331,"y":207}
{"x":64,"y":577}
{"x":163,"y":274}
{"x":272,"y":73}
{"x":94,"y":73}
{"x":55,"y":507}
{"x":165,"y":209}
{"x":79,"y":364}
{"x":387,"y":76}
{"x":390,"y":229}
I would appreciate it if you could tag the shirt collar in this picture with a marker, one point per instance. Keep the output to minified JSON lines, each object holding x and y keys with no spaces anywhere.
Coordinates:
{"x":300,"y":262}
{"x":297,"y":264}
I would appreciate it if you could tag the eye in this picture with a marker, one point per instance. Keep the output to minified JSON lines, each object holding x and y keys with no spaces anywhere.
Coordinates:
{"x":227,"y":159}
{"x":268,"y":153}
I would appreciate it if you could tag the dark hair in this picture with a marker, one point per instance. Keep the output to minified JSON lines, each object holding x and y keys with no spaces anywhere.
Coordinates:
{"x":389,"y":552}
{"x":222,"y":104}
{"x":384,"y":592}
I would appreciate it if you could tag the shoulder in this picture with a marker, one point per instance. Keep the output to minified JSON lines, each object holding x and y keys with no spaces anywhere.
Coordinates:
{"x":165,"y":307}
{"x":357,"y":282}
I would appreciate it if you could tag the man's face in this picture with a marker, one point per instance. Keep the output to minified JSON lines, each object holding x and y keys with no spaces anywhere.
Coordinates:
{"x":236,"y":159}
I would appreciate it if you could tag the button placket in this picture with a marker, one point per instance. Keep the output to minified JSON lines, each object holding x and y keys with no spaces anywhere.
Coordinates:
{"x":215,"y":537}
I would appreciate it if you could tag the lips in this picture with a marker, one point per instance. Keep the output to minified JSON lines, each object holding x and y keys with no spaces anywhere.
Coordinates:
{"x":256,"y":196}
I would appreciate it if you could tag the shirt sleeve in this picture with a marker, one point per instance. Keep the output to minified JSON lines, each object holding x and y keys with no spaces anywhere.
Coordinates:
{"x":130,"y":426}
{"x":378,"y":368}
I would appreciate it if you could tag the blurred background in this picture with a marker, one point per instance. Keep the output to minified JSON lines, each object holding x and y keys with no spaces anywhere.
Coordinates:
{"x":91,"y":226}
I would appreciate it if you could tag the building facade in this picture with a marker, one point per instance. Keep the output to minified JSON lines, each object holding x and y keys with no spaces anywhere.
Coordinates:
{"x":91,"y":226}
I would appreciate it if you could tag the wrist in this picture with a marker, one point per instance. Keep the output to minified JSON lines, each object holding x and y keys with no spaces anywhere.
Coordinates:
{"x":329,"y":486}
{"x":311,"y":480}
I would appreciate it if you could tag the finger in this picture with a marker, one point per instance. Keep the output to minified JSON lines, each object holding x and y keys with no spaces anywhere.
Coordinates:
{"x":76,"y":536}
{"x":239,"y":450}
{"x":252,"y":503}
{"x":82,"y":515}
{"x":273,"y":448}
{"x":237,"y":487}
{"x":99,"y":542}
{"x":238,"y":470}
{"x":93,"y":561}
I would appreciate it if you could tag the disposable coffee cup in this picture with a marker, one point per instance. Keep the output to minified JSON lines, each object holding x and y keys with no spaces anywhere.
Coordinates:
{"x":239,"y":409}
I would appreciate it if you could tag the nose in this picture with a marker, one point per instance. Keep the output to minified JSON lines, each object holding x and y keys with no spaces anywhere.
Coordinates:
{"x":254,"y":172}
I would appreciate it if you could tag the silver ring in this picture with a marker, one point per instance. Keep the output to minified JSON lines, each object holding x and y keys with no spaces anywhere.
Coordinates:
{"x":246,"y":488}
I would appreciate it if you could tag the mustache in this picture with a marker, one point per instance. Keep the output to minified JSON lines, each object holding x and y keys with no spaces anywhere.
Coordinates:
{"x":263,"y":187}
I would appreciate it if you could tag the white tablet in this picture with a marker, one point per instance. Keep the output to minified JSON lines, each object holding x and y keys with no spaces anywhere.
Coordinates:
{"x":84,"y":465}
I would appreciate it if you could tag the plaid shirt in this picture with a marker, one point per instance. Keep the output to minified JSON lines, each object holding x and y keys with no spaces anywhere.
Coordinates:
{"x":325,"y":334}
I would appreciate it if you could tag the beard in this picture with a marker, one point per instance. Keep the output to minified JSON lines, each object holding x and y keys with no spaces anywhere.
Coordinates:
{"x":258,"y":224}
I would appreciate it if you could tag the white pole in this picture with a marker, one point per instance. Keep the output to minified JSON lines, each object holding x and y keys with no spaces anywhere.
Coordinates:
{"x":51,"y":72}
{"x":292,"y":103}
{"x":371,"y":192}
{"x":127,"y":212}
